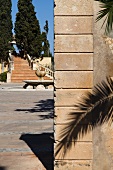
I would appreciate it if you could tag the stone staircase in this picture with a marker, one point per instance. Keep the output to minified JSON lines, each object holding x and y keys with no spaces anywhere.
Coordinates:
{"x":22,"y":71}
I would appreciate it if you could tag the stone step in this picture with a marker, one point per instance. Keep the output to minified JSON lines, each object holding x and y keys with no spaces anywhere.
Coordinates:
{"x":21,"y":62}
{"x":25,"y":77}
{"x":19,"y":70}
{"x":19,"y":59}
{"x":22,"y":71}
{"x":24,"y":74}
{"x":21,"y":65}
{"x":21,"y":79}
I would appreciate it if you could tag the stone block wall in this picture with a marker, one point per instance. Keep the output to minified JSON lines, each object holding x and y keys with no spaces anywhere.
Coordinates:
{"x":73,"y":74}
{"x":103,"y":66}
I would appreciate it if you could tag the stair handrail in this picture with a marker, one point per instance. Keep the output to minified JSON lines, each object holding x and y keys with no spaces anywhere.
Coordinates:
{"x":48,"y":71}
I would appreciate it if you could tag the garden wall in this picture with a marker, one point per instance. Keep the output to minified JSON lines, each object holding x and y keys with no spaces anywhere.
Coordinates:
{"x":73,"y":74}
{"x":103,"y":66}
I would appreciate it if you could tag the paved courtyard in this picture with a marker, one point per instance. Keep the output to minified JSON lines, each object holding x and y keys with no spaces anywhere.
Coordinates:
{"x":26,"y":128}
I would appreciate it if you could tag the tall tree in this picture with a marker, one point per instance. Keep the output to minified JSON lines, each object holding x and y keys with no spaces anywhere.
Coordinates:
{"x":46,"y":45}
{"x":27,"y":29}
{"x":46,"y":28}
{"x":5,"y":28}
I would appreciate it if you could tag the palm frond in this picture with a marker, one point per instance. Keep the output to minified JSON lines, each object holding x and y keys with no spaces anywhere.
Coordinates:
{"x":97,"y":105}
{"x":107,"y":12}
{"x":104,"y":1}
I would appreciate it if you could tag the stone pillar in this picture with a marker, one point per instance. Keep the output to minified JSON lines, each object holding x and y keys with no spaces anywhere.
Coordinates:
{"x":8,"y":77}
{"x":103,"y":66}
{"x":73,"y":73}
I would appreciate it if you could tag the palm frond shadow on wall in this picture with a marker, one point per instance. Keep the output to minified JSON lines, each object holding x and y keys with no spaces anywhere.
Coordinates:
{"x":96,"y":107}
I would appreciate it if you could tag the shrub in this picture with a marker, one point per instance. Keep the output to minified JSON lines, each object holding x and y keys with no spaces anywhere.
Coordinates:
{"x":3,"y":76}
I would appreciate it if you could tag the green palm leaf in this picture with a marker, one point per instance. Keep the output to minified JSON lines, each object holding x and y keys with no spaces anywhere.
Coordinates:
{"x":107,"y":12}
{"x":96,"y":107}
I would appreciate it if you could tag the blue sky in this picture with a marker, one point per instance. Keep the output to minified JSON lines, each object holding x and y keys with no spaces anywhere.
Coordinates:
{"x":44,"y":11}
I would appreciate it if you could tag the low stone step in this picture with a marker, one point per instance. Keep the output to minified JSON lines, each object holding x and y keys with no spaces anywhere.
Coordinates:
{"x":25,"y":77}
{"x":20,"y":65}
{"x":26,"y":161}
{"x":25,"y":72}
{"x":19,"y":70}
{"x":16,"y":73}
{"x":16,"y":80}
{"x":19,"y":62}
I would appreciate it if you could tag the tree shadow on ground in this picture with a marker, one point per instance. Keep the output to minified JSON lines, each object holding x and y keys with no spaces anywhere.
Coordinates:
{"x":42,"y":106}
{"x":3,"y":168}
{"x":42,"y":145}
{"x":95,"y":109}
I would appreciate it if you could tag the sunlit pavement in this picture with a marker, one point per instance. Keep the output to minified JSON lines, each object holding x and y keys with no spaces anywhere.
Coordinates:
{"x":26,"y":128}
{"x":19,"y":87}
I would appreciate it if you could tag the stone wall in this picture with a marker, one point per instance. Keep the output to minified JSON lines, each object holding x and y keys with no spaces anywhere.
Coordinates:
{"x":103,"y":66}
{"x":73,"y":74}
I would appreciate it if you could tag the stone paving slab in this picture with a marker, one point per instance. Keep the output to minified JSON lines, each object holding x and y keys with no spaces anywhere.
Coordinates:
{"x":26,"y":128}
{"x":22,"y":116}
{"x":22,"y":162}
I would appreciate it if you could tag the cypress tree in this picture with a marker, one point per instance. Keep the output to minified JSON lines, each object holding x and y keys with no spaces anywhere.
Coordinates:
{"x":5,"y":28}
{"x":46,"y":45}
{"x":27,"y":29}
{"x":46,"y":28}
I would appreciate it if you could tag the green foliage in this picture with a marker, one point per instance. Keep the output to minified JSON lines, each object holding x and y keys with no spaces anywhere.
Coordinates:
{"x":107,"y":12}
{"x":3,"y":77}
{"x":46,"y":27}
{"x":46,"y":45}
{"x":104,"y":1}
{"x":5,"y":28}
{"x":27,"y":29}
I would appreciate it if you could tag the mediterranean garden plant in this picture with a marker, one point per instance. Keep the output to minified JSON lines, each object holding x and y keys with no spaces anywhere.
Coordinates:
{"x":96,"y":106}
